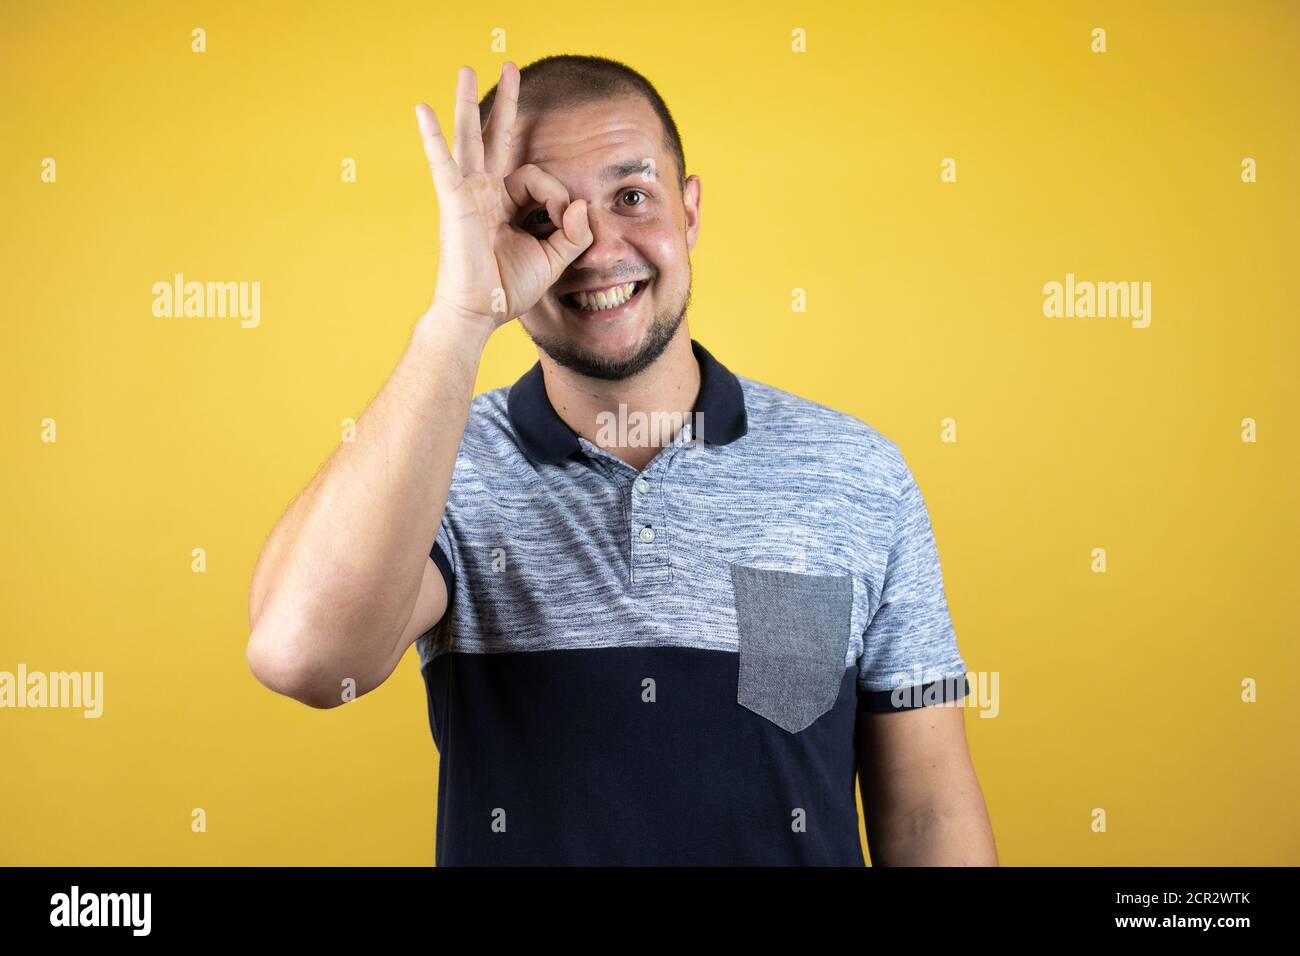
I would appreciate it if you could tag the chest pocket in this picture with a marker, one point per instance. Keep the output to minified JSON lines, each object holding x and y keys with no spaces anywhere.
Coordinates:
{"x":794,"y":636}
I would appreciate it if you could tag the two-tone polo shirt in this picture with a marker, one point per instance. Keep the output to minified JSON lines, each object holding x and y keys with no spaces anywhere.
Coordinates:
{"x":665,"y":666}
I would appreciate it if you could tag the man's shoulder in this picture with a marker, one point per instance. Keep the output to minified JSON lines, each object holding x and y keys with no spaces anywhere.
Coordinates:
{"x":488,"y":438}
{"x":782,"y":417}
{"x":488,"y":410}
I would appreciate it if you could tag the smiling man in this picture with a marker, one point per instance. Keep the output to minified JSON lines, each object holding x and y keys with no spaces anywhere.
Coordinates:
{"x":637,"y":647}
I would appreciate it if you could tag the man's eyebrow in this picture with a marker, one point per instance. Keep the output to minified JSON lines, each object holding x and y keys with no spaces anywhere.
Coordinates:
{"x":625,"y":169}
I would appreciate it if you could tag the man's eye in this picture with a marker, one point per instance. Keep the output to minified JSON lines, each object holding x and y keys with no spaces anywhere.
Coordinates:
{"x":634,"y":192}
{"x":538,"y":217}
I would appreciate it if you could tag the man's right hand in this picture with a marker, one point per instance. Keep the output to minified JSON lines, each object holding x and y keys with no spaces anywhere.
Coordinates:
{"x":490,"y":269}
{"x":345,"y":583}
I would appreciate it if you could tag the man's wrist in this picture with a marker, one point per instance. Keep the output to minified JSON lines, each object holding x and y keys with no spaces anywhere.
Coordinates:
{"x":447,"y":346}
{"x":443,"y":325}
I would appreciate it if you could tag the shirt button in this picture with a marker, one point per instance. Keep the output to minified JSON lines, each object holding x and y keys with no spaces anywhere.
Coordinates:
{"x":642,"y":485}
{"x":647,"y":534}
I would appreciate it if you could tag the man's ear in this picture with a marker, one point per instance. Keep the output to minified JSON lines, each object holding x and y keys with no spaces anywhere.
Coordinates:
{"x":691,"y":204}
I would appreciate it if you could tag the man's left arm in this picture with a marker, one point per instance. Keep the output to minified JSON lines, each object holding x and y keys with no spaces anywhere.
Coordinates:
{"x":920,"y":796}
{"x":921,"y":799}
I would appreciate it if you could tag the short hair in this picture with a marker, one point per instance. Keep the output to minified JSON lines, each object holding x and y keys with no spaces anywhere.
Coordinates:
{"x":565,"y":80}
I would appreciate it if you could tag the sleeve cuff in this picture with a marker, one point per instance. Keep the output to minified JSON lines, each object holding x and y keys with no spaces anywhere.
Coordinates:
{"x":444,"y":565}
{"x":915,"y":697}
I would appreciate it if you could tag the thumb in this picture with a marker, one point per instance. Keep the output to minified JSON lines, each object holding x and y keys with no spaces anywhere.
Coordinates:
{"x":573,"y":236}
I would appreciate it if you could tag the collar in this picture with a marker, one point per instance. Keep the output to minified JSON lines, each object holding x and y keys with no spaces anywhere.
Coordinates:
{"x":545,"y":437}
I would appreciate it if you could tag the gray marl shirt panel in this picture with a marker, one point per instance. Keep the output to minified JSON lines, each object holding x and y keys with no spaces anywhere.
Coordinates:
{"x":555,"y":556}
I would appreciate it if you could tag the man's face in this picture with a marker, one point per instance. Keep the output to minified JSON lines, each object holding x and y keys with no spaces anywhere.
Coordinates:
{"x":611,"y":153}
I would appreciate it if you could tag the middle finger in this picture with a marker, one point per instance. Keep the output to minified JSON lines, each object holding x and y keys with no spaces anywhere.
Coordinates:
{"x":469,"y":135}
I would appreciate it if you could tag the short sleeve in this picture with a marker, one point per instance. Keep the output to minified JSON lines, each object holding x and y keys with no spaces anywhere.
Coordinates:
{"x":910,"y":656}
{"x":443,"y":554}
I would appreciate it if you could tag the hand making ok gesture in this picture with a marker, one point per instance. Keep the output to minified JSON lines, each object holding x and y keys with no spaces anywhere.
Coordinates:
{"x":488,"y":267}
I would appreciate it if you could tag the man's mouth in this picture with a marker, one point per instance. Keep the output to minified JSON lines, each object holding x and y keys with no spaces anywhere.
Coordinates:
{"x":606,"y":299}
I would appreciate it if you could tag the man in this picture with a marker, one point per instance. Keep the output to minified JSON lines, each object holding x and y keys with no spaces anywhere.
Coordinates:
{"x":640,"y":644}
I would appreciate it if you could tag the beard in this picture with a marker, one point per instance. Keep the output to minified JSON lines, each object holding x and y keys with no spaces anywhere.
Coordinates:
{"x":661,"y":332}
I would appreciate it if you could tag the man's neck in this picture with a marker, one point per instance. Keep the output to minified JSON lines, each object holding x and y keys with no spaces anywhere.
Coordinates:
{"x":666,"y":391}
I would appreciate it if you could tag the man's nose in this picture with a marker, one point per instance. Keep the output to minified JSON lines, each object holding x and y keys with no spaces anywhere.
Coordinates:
{"x":607,"y":247}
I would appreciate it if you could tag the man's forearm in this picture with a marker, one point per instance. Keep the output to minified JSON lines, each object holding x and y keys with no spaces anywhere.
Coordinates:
{"x":933,"y":835}
{"x":340,"y":573}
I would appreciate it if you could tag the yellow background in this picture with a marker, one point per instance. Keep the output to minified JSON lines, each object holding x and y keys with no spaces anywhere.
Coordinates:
{"x":820,"y":171}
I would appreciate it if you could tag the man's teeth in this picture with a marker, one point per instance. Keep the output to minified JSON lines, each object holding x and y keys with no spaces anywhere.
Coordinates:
{"x":606,"y":298}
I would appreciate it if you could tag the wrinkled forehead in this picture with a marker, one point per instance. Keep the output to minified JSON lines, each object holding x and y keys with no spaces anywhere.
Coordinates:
{"x":595,"y":142}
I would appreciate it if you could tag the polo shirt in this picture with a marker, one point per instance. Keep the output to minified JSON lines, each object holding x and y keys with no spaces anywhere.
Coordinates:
{"x":665,"y":667}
